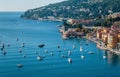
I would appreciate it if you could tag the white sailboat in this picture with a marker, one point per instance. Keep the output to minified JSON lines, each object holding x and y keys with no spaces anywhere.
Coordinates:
{"x":74,"y":46}
{"x":81,"y":49}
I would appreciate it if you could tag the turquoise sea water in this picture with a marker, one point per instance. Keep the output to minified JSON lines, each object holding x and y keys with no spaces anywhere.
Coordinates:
{"x":33,"y":33}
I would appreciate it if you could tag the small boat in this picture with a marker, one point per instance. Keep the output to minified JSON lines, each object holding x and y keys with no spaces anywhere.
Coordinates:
{"x":41,"y":45}
{"x":69,"y":60}
{"x":3,"y":46}
{"x":8,"y":45}
{"x":74,"y":46}
{"x":58,"y":46}
{"x":23,"y":45}
{"x":24,"y":56}
{"x":2,"y":49}
{"x":82,"y":57}
{"x":19,"y":65}
{"x":17,"y":39}
{"x":51,"y":54}
{"x":69,"y":53}
{"x":39,"y":58}
{"x":46,"y":51}
{"x":81,"y":49}
{"x":104,"y":57}
{"x":91,"y":52}
{"x":59,"y":51}
{"x":86,"y":44}
{"x":63,"y":56}
{"x":4,"y":53}
{"x":20,"y":51}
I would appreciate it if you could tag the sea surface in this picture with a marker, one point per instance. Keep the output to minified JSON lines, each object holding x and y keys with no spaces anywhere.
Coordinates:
{"x":33,"y":33}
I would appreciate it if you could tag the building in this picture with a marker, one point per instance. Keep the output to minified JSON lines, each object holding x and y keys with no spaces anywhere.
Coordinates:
{"x":104,"y":37}
{"x":71,"y":21}
{"x":114,"y":15}
{"x":99,"y":33}
{"x":102,"y":33}
{"x":110,"y":36}
{"x":112,"y":40}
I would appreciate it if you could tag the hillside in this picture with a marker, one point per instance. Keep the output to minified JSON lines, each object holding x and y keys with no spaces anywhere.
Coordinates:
{"x":75,"y":9}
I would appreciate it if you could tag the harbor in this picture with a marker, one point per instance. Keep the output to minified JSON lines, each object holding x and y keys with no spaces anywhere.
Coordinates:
{"x":39,"y":50}
{"x":106,"y":38}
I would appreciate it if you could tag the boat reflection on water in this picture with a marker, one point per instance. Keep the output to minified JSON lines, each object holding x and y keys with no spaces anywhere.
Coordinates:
{"x":112,"y":58}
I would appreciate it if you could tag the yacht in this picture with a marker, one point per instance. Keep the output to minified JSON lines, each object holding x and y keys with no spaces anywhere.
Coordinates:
{"x":19,"y":65}
{"x":41,"y":45}
{"x":91,"y":52}
{"x":39,"y":58}
{"x":69,"y":60}
{"x":82,"y":57}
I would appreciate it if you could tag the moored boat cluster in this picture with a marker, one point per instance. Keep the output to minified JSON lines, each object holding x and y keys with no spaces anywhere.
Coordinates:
{"x":40,"y":57}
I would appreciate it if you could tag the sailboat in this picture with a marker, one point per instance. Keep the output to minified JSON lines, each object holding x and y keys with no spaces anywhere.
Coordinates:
{"x":74,"y":46}
{"x":81,"y":49}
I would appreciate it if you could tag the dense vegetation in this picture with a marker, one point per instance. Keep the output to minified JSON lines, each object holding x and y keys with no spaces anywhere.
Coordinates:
{"x":107,"y":22}
{"x":75,"y":9}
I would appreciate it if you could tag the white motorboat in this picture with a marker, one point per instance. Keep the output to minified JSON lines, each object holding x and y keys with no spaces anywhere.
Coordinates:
{"x":39,"y":58}
{"x":104,"y":57}
{"x":69,"y":60}
{"x":19,"y":65}
{"x":82,"y":57}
